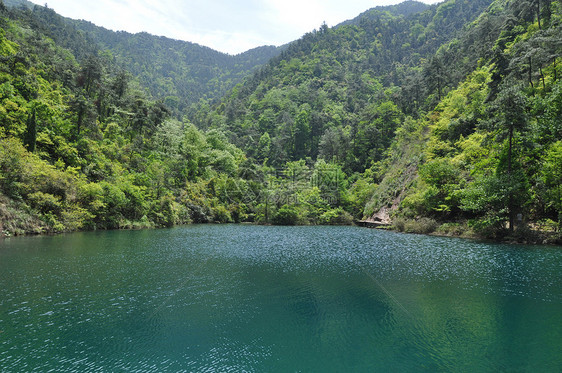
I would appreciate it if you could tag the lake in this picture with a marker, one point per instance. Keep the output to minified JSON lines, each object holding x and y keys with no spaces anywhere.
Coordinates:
{"x":242,"y":298}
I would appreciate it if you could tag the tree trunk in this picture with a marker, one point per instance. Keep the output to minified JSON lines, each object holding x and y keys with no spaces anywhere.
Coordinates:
{"x":30,"y":139}
{"x":79,"y":121}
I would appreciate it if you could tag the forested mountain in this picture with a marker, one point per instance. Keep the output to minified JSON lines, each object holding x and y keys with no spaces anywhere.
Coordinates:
{"x":487,"y":158}
{"x":448,"y":116}
{"x":442,"y":117}
{"x":19,"y":3}
{"x":405,"y":8}
{"x":82,"y":146}
{"x":348,"y":88}
{"x":178,"y":72}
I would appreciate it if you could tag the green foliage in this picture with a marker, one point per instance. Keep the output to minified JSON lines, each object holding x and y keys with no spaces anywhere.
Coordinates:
{"x":445,"y":115}
{"x":336,"y":217}
{"x":491,"y":142}
{"x":30,"y":137}
{"x":286,"y":215}
{"x":99,"y":153}
{"x":7,"y":47}
{"x":551,"y":175}
{"x":438,"y":193}
{"x":360,"y":193}
{"x":420,"y":226}
{"x":335,"y":92}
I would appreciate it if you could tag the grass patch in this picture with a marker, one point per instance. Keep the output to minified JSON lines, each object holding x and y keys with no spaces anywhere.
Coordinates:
{"x":17,"y":219}
{"x":420,"y":226}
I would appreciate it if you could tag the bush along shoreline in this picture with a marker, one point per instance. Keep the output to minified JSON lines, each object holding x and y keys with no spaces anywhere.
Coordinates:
{"x":546,"y":232}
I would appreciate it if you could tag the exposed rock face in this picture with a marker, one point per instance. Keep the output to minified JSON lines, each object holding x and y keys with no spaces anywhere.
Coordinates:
{"x":382,"y":217}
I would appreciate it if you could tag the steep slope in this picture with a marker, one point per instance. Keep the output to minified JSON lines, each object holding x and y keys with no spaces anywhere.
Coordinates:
{"x":181,"y":73}
{"x":186,"y":71}
{"x":341,"y":92}
{"x":83,"y":147}
{"x":486,"y":160}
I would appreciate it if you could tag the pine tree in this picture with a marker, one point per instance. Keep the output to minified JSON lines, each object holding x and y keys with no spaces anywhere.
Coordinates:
{"x":30,"y":137}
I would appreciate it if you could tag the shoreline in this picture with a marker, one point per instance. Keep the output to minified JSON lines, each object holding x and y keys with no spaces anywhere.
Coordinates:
{"x":540,"y":237}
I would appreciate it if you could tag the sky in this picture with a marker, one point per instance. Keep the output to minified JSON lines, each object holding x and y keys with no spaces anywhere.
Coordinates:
{"x":230,"y":26}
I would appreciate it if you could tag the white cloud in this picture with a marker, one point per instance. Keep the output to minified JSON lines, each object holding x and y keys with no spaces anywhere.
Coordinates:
{"x":295,"y":13}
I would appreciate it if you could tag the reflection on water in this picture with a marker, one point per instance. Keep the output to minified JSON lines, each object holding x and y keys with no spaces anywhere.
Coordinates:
{"x":247,"y":298}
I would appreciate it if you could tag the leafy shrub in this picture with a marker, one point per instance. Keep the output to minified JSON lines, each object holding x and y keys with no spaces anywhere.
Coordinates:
{"x":76,"y":217}
{"x":422,"y":226}
{"x":548,"y":225}
{"x":336,"y":217}
{"x":453,"y":229}
{"x":164,"y":212}
{"x":286,"y":215}
{"x":399,"y":224}
{"x":222,"y":215}
{"x":53,"y":222}
{"x":198,"y":213}
{"x":491,"y":226}
{"x":13,"y":159}
{"x":45,"y":202}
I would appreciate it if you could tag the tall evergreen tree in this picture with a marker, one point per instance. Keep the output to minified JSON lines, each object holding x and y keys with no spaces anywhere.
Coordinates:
{"x":30,"y":138}
{"x":510,"y":113}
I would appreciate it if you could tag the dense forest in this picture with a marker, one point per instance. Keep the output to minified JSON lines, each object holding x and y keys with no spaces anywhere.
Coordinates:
{"x":178,"y":72}
{"x":83,"y":146}
{"x":443,"y":118}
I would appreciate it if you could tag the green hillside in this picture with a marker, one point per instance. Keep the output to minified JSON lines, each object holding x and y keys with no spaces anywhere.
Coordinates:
{"x":83,"y":147}
{"x":19,"y":4}
{"x":398,"y":103}
{"x":439,"y":118}
{"x":178,"y":72}
{"x":487,"y":158}
{"x":324,"y":93}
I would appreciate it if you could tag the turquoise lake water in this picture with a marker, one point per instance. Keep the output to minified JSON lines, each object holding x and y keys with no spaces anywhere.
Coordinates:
{"x":238,"y":298}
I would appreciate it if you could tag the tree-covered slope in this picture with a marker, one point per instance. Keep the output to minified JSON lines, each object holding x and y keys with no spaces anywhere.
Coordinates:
{"x":83,"y":147}
{"x":341,"y":92}
{"x":403,"y":9}
{"x":487,"y":158}
{"x":19,"y":3}
{"x":181,"y":73}
{"x":448,"y":116}
{"x":446,"y":119}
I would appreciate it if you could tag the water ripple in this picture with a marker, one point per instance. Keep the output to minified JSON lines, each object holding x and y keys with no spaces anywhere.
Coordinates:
{"x":245,"y":298}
